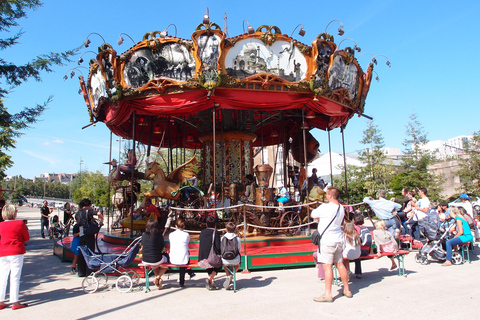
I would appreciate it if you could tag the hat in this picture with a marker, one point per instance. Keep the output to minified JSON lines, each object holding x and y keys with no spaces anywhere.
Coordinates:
{"x":464,"y":196}
{"x":443,"y":204}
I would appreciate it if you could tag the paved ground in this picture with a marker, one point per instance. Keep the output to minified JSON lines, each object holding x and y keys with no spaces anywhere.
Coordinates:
{"x":428,"y":292}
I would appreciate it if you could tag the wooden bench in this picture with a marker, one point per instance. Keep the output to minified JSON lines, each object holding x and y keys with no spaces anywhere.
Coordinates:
{"x":148,"y":270}
{"x":399,"y":256}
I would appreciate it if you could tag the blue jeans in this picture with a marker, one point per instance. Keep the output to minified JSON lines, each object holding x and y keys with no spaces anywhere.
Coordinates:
{"x":413,"y":229}
{"x":43,"y":224}
{"x":450,"y":243}
{"x":390,"y":225}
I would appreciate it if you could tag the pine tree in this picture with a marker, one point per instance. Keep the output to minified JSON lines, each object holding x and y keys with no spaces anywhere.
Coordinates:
{"x":12,"y":75}
{"x":470,"y":166}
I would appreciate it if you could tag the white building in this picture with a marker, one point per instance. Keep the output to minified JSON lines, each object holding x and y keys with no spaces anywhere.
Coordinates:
{"x":447,"y":149}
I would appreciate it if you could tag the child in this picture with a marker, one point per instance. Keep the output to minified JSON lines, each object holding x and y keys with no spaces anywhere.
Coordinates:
{"x":385,"y":241}
{"x":235,"y":253}
{"x":74,"y":247}
{"x":351,"y":245}
{"x":366,"y":242}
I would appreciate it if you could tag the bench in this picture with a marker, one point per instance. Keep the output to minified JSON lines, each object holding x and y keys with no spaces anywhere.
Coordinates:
{"x":148,"y":270}
{"x":399,"y":256}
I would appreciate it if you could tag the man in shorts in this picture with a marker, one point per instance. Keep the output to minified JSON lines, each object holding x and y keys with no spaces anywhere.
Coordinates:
{"x":330,"y":217}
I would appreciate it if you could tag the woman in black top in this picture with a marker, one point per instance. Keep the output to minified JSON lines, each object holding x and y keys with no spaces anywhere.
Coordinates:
{"x":153,"y":250}
{"x":205,"y":245}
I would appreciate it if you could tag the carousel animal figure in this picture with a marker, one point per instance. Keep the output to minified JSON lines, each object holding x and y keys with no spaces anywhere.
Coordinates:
{"x":167,"y":187}
{"x":123,"y":172}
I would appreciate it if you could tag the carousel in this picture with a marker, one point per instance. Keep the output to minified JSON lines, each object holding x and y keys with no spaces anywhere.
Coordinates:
{"x":225,"y":99}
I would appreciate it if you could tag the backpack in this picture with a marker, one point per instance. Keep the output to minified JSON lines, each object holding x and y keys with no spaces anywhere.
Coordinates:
{"x":365,"y":236}
{"x":229,"y":248}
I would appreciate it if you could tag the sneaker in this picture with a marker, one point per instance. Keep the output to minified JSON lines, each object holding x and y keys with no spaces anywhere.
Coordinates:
{"x":228,"y":281}
{"x":349,"y":273}
{"x":73,"y":271}
{"x":43,"y":236}
{"x":191,"y":275}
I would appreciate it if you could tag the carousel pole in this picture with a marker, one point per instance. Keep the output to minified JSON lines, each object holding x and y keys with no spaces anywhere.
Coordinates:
{"x":150,"y":133}
{"x":245,"y":270}
{"x":344,"y":162}
{"x":330,"y":153}
{"x":214,"y":159}
{"x":109,"y":186}
{"x":306,"y":166}
{"x":132,"y":177}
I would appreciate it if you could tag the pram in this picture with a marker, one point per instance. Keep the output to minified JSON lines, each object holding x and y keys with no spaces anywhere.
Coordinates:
{"x":56,"y":228}
{"x":111,"y":263}
{"x":434,"y":248}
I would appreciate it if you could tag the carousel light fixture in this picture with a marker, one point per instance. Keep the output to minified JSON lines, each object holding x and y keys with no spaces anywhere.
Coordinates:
{"x":190,"y":138}
{"x":72,"y":73}
{"x":340,"y":29}
{"x":374,"y":60}
{"x":377,"y":78}
{"x":164,"y":33}
{"x":206,"y":17}
{"x":120,"y":39}
{"x":87,"y":41}
{"x":274,"y":134}
{"x":356,"y":47}
{"x":310,"y":115}
{"x":305,"y":126}
{"x":80,"y":61}
{"x":157,"y":129}
{"x":301,"y":32}
{"x":142,"y":122}
{"x":250,"y":29}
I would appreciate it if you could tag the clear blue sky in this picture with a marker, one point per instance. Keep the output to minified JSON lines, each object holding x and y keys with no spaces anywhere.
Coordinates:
{"x":433,"y":47}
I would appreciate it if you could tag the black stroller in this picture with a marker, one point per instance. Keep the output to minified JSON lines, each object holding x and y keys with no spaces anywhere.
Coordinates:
{"x":435,"y":248}
{"x":111,"y":263}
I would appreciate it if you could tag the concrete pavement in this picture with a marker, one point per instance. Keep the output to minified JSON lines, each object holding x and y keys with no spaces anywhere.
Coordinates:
{"x":428,"y":292}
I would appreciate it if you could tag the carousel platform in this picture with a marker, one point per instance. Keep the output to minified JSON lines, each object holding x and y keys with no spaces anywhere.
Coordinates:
{"x":262,"y":251}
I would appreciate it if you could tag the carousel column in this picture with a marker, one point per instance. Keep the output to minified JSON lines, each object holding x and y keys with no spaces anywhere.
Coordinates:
{"x":109,"y":185}
{"x":214,"y":159}
{"x":330,"y":153}
{"x":307,"y":196}
{"x":132,"y":176}
{"x":245,"y":270}
{"x":344,"y":162}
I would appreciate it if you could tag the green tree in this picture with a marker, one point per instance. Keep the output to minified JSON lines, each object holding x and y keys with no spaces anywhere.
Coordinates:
{"x":91,"y":185}
{"x":378,"y":172}
{"x":12,"y":75}
{"x":356,"y":191}
{"x":470,"y":166}
{"x":415,"y":162}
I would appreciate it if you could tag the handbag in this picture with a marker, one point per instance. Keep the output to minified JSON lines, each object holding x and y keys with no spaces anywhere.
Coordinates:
{"x":317,"y":237}
{"x":213,"y":258}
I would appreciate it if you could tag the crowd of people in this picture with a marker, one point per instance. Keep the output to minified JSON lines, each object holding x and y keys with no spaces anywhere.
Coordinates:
{"x":342,"y":241}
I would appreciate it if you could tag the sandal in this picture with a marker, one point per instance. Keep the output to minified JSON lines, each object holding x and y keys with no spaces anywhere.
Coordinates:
{"x":159,"y":283}
{"x":323,"y":298}
{"x":394,"y":267}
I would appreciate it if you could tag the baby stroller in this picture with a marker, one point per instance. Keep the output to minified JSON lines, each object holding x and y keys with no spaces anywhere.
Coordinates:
{"x":434,"y":248}
{"x":56,"y":229}
{"x":111,"y":263}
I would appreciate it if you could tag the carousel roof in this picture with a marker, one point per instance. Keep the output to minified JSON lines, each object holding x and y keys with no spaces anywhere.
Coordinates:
{"x":262,"y":82}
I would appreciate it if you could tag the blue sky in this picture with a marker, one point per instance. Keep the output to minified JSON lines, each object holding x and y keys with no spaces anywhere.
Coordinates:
{"x":433,"y":47}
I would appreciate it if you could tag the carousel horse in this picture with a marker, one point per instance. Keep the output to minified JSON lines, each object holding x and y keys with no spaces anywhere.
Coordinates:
{"x":124,"y":176}
{"x":167,"y":187}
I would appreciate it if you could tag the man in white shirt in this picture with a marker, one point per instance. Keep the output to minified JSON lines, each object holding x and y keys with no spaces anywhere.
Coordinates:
{"x":331,"y":216}
{"x":466,"y":204}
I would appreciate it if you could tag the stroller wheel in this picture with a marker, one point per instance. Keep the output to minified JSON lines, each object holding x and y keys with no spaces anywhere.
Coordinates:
{"x":457,"y":258}
{"x":134,"y":276}
{"x":102,"y":279}
{"x":424,"y":260}
{"x":90,"y":284}
{"x":124,"y":283}
{"x":418,"y":258}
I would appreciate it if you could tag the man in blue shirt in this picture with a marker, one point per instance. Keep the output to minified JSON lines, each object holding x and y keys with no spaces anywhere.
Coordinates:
{"x":384,"y":210}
